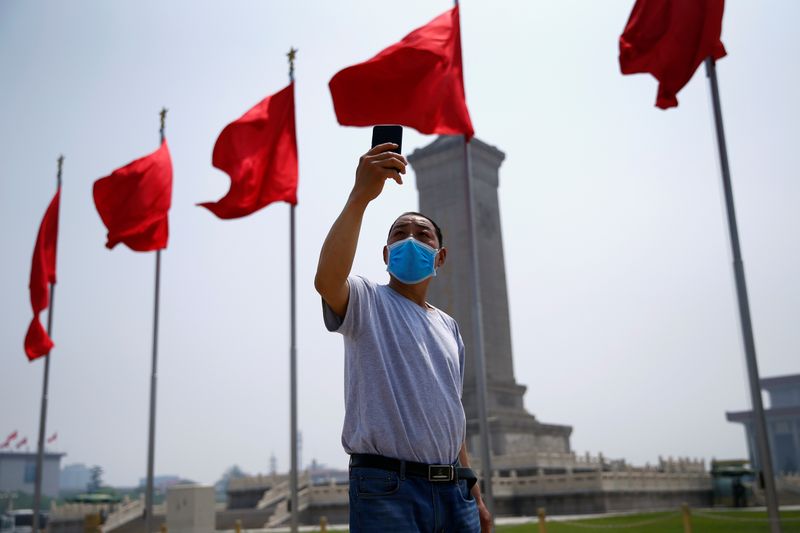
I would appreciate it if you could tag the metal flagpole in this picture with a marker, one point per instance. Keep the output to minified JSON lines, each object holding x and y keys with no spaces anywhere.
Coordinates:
{"x":477,"y":318}
{"x":762,"y":442}
{"x":37,"y":489}
{"x":293,"y":347}
{"x":151,"y":438}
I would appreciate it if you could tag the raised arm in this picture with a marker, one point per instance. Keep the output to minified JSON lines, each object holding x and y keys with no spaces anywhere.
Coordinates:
{"x":339,"y":248}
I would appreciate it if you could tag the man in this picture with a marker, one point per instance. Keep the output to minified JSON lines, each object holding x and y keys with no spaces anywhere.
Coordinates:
{"x":404,"y":422}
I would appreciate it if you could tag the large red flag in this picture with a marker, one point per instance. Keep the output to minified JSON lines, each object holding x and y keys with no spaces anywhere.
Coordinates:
{"x":43,"y":273}
{"x":134,"y":200}
{"x":417,"y":82}
{"x":259,"y":153}
{"x":669,"y":39}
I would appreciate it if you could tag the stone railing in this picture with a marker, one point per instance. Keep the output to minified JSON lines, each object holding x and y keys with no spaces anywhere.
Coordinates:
{"x":546,"y":484}
{"x":282,"y":513}
{"x":74,"y":511}
{"x":655,"y":481}
{"x":308,"y":496}
{"x":126,"y":512}
{"x":623,"y":481}
{"x":330,"y":493}
{"x":281,"y":490}
{"x":257,"y":481}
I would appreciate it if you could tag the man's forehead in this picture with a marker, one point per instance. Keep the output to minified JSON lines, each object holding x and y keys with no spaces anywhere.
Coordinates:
{"x":406,"y":220}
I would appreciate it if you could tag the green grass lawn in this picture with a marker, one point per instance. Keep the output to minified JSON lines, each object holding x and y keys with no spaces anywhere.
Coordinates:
{"x":720,"y":522}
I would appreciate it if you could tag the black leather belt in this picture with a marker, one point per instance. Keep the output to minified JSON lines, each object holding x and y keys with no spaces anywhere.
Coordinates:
{"x":436,"y":473}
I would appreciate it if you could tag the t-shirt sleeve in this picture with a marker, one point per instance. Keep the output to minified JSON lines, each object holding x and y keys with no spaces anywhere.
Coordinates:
{"x":461,"y":357}
{"x":358,"y":306}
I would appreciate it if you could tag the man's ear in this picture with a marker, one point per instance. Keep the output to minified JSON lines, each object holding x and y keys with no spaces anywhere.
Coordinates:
{"x":441,"y":257}
{"x":385,"y":255}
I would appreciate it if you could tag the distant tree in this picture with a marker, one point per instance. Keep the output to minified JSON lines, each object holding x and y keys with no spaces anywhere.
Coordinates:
{"x":232,"y":472}
{"x":96,"y":479}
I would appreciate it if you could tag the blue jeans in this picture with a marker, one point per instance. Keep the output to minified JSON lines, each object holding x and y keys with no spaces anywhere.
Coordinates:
{"x":382,"y":501}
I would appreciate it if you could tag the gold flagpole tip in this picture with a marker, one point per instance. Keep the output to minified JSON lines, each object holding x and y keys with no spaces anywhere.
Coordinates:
{"x":291,"y":55}
{"x":163,"y":115}
{"x":60,"y":164}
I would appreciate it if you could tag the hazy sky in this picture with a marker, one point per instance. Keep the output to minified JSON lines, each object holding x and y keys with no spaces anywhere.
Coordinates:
{"x":623,"y":308}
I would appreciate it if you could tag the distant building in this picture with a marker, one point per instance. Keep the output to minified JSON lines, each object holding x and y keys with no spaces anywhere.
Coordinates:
{"x":783,"y":423}
{"x":76,"y":477}
{"x":18,"y":472}
{"x":162,"y":483}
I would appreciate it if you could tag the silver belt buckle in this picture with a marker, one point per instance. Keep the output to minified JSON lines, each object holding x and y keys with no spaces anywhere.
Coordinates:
{"x":441,"y":472}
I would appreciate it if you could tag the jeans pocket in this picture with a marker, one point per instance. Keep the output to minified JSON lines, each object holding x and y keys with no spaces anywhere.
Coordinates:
{"x":375,"y":485}
{"x":463,"y":490}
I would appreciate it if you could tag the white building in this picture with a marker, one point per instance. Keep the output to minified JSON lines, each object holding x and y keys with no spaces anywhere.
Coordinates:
{"x":75,"y":477}
{"x":18,"y":472}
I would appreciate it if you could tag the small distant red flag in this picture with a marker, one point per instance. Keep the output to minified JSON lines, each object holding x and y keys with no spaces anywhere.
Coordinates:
{"x":43,"y":273}
{"x":52,"y":438}
{"x":259,"y":153}
{"x":417,"y":82}
{"x":7,"y":442}
{"x":22,"y":443}
{"x":669,"y":39}
{"x":134,"y":200}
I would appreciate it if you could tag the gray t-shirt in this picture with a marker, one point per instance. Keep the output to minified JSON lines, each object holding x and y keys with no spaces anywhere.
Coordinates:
{"x":403,"y":376}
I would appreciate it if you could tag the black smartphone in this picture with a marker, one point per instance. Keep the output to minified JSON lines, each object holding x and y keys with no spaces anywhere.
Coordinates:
{"x":388,"y":133}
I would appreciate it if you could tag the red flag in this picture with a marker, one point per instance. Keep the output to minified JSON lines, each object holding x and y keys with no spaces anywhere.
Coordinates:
{"x":417,"y":82}
{"x":21,"y":443}
{"x":259,"y":153}
{"x":52,"y":438}
{"x":8,"y":440}
{"x":134,"y":200}
{"x":43,"y":273}
{"x":669,"y":39}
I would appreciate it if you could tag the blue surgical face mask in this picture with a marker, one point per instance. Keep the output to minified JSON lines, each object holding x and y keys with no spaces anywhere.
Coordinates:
{"x":411,"y":261}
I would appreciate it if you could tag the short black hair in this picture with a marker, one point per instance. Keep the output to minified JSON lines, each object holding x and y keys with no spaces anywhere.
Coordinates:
{"x":426,"y":217}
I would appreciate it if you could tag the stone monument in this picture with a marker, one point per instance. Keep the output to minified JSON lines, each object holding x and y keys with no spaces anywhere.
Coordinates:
{"x":440,"y":177}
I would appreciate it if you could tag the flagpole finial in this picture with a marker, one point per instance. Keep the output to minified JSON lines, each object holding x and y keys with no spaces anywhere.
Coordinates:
{"x":163,"y":115}
{"x":60,"y":165}
{"x":291,"y":55}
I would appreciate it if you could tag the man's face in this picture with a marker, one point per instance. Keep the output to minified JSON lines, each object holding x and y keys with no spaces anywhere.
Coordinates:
{"x":421,"y":229}
{"x":413,"y":226}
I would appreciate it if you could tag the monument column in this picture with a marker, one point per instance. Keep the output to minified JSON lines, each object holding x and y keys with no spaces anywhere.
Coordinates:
{"x":439,"y":169}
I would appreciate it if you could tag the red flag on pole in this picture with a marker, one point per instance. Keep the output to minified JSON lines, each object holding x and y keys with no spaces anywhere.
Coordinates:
{"x":669,"y":39}
{"x":22,"y":443}
{"x":43,"y":273}
{"x":7,"y":442}
{"x":259,"y":153}
{"x":52,"y":438}
{"x":417,"y":82}
{"x":134,"y":200}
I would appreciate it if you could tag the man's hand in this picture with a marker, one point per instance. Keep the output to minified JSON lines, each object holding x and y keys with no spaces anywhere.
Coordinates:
{"x":374,"y":168}
{"x":483,"y":512}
